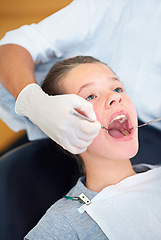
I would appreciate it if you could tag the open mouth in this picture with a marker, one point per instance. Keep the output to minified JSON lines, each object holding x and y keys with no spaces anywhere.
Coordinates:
{"x":119,"y":127}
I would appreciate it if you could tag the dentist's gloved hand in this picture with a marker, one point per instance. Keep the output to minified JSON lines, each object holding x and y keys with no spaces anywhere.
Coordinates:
{"x":53,"y":115}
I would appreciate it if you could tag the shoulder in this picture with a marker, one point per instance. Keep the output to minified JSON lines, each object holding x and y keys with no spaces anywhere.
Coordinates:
{"x":64,"y":221}
{"x":53,"y":225}
{"x":68,"y":207}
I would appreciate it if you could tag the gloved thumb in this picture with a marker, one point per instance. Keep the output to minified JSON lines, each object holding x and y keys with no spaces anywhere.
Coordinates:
{"x":85,"y":108}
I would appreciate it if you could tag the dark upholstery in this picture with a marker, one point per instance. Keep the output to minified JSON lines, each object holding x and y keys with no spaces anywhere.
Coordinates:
{"x":32,"y":178}
{"x":149,"y":146}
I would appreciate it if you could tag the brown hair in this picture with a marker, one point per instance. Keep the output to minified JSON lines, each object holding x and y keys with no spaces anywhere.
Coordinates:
{"x":52,"y":85}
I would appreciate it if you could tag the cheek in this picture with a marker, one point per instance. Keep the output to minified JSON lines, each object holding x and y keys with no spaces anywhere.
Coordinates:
{"x":132,"y":109}
{"x":99,"y":145}
{"x":100,"y":141}
{"x":98,"y":112}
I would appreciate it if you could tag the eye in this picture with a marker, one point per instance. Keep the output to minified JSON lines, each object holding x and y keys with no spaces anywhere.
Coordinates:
{"x":90,"y":97}
{"x":118,"y":90}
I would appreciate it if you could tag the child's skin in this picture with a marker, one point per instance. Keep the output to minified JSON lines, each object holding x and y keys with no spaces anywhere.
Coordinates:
{"x":107,"y":158}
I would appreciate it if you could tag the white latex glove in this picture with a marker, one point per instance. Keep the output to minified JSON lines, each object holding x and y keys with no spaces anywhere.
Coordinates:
{"x":53,"y":115}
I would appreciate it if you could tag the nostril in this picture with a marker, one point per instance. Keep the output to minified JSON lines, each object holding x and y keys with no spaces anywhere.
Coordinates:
{"x":112,"y":102}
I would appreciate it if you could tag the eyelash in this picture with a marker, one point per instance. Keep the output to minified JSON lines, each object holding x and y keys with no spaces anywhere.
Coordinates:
{"x":90,"y":96}
{"x":120,"y":90}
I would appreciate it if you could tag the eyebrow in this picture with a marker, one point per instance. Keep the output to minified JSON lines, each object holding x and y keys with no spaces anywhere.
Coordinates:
{"x":92,"y":83}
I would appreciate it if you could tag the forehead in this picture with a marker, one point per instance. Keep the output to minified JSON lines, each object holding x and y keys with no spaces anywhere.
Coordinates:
{"x":87,"y":73}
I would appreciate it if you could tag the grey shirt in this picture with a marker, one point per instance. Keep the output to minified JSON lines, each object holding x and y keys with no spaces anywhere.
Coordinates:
{"x":63,"y":221}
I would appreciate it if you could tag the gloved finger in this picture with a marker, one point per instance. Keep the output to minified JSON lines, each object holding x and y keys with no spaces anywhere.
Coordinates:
{"x":77,"y":142}
{"x":74,"y":141}
{"x":87,"y":127}
{"x":73,"y":149}
{"x":76,"y":150}
{"x":85,"y":136}
{"x":88,"y":110}
{"x":85,"y":107}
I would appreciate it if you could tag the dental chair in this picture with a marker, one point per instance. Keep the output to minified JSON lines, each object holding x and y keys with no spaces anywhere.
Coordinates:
{"x":37,"y":174}
{"x":32,"y":178}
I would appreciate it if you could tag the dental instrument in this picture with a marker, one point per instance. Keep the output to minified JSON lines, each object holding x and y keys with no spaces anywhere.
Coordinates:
{"x":147,"y":123}
{"x":86,"y":118}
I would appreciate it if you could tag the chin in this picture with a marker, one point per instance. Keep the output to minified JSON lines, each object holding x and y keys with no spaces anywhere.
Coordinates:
{"x":106,"y":146}
{"x":128,"y":149}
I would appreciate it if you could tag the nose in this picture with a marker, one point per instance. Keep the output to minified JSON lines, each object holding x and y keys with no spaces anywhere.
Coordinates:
{"x":113,"y":99}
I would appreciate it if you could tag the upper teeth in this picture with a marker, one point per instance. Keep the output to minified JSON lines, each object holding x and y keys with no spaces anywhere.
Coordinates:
{"x":121,"y":117}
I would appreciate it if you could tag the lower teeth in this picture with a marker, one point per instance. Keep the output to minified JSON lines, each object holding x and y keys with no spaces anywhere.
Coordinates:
{"x":125,"y":133}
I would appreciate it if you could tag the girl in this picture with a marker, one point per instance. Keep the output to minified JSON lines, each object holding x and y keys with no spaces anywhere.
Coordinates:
{"x":111,"y":184}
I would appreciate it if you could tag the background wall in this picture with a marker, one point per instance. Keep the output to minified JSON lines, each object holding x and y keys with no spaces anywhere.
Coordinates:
{"x":13,"y":14}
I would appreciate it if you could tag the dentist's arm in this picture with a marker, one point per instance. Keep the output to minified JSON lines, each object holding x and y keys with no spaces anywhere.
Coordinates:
{"x":16,"y":68}
{"x":52,"y":114}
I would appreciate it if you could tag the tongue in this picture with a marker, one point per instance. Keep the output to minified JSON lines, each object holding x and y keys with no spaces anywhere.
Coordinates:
{"x":118,"y":129}
{"x":115,"y":133}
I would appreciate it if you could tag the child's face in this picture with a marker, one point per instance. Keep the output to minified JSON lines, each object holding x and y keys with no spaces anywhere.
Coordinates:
{"x":97,"y":84}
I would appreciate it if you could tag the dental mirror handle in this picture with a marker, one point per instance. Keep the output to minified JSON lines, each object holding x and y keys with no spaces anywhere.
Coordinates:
{"x":86,"y":118}
{"x":81,"y":116}
{"x":144,"y":124}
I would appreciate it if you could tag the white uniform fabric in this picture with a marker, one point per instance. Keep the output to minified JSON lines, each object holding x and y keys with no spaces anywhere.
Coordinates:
{"x":135,"y":202}
{"x":125,"y":34}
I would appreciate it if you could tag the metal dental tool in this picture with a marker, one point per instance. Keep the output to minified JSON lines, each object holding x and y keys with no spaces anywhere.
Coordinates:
{"x":86,"y":118}
{"x":152,"y":121}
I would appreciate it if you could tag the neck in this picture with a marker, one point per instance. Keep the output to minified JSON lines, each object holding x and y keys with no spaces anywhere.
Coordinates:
{"x":100,"y":174}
